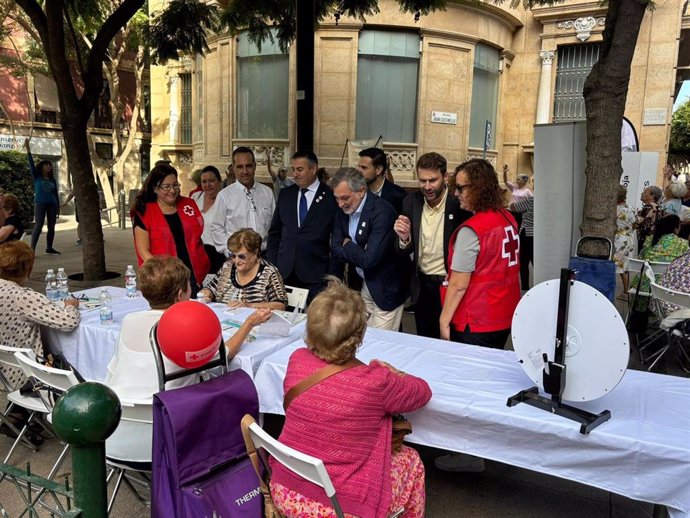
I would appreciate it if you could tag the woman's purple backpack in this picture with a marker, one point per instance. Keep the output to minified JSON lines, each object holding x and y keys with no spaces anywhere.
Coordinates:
{"x":200,"y":465}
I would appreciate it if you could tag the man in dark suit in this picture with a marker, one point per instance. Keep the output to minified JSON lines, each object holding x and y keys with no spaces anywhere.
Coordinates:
{"x":363,"y":238}
{"x":300,"y":233}
{"x":373,"y":164}
{"x":429,"y":218}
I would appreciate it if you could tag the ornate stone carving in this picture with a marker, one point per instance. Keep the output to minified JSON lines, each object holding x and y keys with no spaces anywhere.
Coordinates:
{"x":401,"y":160}
{"x":277,"y":154}
{"x":184,"y":158}
{"x":547,"y":56}
{"x":489,"y":157}
{"x":583,"y":26}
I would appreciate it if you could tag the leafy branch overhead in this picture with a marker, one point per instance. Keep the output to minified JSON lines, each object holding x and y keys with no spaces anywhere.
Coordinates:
{"x":258,"y":18}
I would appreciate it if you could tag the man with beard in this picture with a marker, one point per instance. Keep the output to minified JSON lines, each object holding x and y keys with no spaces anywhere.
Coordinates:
{"x":373,"y":165}
{"x":429,"y":218}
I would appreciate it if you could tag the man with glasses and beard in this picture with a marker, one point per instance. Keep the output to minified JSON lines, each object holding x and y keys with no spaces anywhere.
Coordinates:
{"x":429,"y":218}
{"x":243,"y":204}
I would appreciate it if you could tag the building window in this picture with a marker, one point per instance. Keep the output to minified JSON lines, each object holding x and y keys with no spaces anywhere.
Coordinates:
{"x":46,"y":100}
{"x":186,"y":109}
{"x":573,"y":67}
{"x":145,"y":160}
{"x":262,"y":89}
{"x":199,"y":71}
{"x":387,"y":77}
{"x":484,"y":94}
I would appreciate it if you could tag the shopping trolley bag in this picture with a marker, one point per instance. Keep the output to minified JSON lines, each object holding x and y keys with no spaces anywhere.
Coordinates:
{"x":597,"y":271}
{"x":200,"y":464}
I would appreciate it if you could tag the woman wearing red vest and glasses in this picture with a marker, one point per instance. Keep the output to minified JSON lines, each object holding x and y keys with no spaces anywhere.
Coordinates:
{"x":166,"y":223}
{"x":484,"y":283}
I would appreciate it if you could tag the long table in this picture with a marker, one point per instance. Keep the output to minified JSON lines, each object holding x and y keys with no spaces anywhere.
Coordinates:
{"x":91,"y":346}
{"x":643,"y":452}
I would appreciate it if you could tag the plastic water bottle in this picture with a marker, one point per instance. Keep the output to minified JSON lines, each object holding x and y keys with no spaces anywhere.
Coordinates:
{"x":130,"y":282}
{"x":106,"y":307}
{"x":51,"y":286}
{"x":62,"y":284}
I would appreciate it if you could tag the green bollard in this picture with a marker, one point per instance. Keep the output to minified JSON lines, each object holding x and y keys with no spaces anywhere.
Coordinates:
{"x":84,"y":417}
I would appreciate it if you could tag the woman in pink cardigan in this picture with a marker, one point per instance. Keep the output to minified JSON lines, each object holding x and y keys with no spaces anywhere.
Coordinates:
{"x":345,"y":420}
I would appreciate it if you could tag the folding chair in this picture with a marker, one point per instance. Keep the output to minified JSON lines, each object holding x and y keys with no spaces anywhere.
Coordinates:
{"x":636,"y":267}
{"x":47,"y":378}
{"x":297,"y":298}
{"x":7,"y":358}
{"x":676,"y":336}
{"x":306,"y":466}
{"x":128,"y":450}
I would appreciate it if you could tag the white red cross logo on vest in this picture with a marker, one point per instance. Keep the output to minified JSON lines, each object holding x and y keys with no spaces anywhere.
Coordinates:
{"x":511,"y":246}
{"x":188,"y":210}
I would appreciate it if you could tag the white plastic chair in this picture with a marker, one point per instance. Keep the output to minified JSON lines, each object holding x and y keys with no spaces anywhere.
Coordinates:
{"x":129,"y":449}
{"x":306,"y":466}
{"x":635,"y":267}
{"x":49,"y":377}
{"x":13,"y":395}
{"x":676,"y":338}
{"x":297,"y":297}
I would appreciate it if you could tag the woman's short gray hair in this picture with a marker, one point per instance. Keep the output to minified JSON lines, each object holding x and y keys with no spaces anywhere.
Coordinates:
{"x":655,"y":192}
{"x":355,"y":180}
{"x":677,"y":189}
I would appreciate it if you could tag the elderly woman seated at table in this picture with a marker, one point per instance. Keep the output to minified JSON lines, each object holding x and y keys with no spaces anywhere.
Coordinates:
{"x":246,"y":279}
{"x":163,"y":281}
{"x":345,"y":420}
{"x":23,"y":311}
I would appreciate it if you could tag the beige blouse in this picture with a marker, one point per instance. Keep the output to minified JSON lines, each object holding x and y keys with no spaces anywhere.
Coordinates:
{"x":22,"y":312}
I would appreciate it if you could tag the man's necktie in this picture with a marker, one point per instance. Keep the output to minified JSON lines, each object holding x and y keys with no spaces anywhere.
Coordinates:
{"x":303,"y":206}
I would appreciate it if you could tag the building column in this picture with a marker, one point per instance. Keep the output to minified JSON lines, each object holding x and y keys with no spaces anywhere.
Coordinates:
{"x":174,"y":112}
{"x":544,"y":96}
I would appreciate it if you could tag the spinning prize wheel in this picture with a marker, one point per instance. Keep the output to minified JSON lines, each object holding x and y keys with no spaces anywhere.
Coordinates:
{"x":573,"y":344}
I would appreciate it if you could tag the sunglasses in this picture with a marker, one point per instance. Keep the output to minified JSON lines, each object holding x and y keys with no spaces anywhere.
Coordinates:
{"x":460,"y":188}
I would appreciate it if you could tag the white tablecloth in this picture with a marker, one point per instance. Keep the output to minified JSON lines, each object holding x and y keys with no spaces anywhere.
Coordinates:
{"x":643,"y":452}
{"x":91,"y":346}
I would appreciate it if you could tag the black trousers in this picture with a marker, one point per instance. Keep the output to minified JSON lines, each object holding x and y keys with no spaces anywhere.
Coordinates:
{"x":428,"y":306}
{"x":526,"y":257}
{"x":492,"y":339}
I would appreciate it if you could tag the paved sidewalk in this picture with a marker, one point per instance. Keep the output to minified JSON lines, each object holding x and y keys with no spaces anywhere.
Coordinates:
{"x":501,"y":491}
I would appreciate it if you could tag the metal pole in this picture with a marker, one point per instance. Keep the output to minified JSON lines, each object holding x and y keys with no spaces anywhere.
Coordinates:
{"x":84,"y":417}
{"x":305,"y":73}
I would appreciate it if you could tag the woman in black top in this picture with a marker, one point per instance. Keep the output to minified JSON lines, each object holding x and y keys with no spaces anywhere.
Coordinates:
{"x":13,"y":228}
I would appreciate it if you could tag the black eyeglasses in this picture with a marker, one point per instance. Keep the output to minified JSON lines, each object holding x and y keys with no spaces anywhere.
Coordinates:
{"x":460,"y":188}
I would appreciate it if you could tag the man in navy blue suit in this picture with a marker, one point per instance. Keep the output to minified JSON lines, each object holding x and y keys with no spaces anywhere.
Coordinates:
{"x":300,"y":233}
{"x":363,"y":238}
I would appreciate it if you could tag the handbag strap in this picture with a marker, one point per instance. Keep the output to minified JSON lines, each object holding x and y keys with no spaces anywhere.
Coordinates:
{"x":316,"y":378}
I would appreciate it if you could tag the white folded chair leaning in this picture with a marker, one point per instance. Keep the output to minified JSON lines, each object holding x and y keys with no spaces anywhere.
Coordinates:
{"x":297,"y":298}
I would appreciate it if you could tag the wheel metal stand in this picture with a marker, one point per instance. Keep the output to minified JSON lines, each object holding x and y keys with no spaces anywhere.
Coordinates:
{"x":554,"y":373}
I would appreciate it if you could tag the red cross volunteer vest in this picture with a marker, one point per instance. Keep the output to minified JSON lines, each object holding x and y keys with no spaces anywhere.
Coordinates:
{"x":494,"y":289}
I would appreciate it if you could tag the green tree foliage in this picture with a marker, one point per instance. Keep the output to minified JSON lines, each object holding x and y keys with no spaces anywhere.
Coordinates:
{"x":679,"y":146}
{"x":15,"y":178}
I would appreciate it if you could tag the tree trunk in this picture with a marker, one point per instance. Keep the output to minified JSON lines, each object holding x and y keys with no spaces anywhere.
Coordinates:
{"x":87,"y":200}
{"x":605,"y":93}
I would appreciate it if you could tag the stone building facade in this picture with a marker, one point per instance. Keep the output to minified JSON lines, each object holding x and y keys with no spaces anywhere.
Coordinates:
{"x":429,"y":85}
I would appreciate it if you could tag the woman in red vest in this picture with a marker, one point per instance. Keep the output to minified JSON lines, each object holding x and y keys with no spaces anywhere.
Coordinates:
{"x":484,"y":285}
{"x":166,"y":223}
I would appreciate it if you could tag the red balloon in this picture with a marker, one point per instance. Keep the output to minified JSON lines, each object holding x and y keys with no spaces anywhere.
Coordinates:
{"x":189,"y":334}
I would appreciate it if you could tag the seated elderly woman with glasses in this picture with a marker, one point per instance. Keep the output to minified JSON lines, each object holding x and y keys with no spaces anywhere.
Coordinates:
{"x":247,"y":280}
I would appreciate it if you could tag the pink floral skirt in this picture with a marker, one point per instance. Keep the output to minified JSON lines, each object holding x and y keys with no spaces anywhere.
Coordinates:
{"x":407,"y":481}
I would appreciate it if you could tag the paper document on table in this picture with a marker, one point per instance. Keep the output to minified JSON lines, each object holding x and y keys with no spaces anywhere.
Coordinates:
{"x":277,"y":324}
{"x":230,"y":327}
{"x":295,"y":317}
